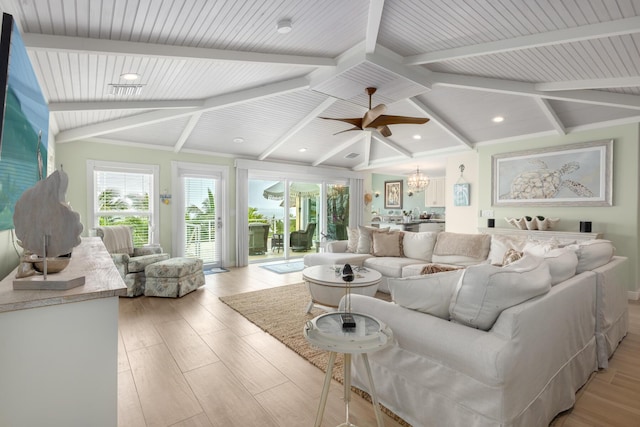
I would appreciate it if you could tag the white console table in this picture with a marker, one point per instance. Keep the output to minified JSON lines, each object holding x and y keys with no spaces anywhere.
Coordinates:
{"x":542,"y":235}
{"x":59,"y":357}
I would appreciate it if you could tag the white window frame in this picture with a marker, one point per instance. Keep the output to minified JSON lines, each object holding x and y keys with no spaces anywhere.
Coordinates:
{"x":221,"y":173}
{"x":154,"y":196}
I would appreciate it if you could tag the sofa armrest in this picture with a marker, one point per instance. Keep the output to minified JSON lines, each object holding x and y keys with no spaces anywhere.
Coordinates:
{"x":122,"y":263}
{"x":147,"y":250}
{"x":337,"y":246}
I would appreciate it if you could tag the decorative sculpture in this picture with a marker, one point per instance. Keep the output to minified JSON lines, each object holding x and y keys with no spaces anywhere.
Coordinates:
{"x":46,"y":226}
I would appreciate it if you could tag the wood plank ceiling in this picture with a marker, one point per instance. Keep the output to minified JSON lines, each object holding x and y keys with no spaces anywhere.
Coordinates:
{"x":214,"y":71}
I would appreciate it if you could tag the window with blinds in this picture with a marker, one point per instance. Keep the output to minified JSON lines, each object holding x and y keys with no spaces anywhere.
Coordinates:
{"x":122,"y":197}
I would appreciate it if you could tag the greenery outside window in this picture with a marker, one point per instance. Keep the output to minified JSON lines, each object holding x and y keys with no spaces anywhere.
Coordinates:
{"x":124,"y":194}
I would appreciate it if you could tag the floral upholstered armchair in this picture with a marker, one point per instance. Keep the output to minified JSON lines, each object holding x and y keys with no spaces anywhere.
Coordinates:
{"x":129,"y":261}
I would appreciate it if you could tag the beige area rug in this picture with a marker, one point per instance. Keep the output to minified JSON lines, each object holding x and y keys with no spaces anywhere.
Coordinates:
{"x":281,"y":313}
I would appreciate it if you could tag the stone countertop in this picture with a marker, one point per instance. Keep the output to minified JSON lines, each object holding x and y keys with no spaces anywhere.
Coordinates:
{"x":90,"y":259}
{"x":415,"y":221}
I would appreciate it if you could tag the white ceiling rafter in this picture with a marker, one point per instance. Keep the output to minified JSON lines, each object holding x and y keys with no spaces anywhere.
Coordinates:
{"x":548,"y":111}
{"x":435,"y":118}
{"x":616,"y":82}
{"x":568,"y":35}
{"x":386,"y":141}
{"x":56,"y":107}
{"x":594,"y":97}
{"x":298,"y":126}
{"x":47,"y":42}
{"x":391,"y":61}
{"x":367,"y":147}
{"x":373,"y":24}
{"x":213,"y":103}
{"x":188,"y":129}
{"x":348,"y":143}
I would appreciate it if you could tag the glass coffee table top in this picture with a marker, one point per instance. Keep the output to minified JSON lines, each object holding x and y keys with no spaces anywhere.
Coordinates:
{"x":326,"y":332}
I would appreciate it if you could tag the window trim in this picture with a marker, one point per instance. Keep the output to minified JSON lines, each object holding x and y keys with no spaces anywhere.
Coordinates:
{"x":154,"y":198}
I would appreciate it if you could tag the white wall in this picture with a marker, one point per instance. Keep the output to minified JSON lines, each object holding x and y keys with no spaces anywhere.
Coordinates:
{"x":463,"y":219}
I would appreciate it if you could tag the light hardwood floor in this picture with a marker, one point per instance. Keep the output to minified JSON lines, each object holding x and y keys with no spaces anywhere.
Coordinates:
{"x":195,"y":362}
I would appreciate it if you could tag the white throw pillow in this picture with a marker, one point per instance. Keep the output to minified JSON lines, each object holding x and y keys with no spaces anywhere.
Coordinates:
{"x":419,"y":245}
{"x":365,"y":242}
{"x":352,"y":243}
{"x":562,"y":264}
{"x":485,"y":290}
{"x":430,"y":293}
{"x":539,"y":247}
{"x":461,"y":249}
{"x":501,"y":244}
{"x":593,"y":254}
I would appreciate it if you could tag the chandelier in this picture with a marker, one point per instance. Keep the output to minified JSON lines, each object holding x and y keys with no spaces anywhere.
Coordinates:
{"x":417,"y":181}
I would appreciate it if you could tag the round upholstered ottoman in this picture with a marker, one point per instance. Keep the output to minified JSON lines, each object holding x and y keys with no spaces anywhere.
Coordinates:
{"x":173,"y":277}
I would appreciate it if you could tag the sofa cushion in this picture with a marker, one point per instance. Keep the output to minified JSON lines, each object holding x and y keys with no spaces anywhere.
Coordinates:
{"x":387,"y":244}
{"x":429,"y":293}
{"x":562,"y":264}
{"x":593,"y":254}
{"x":501,"y":244}
{"x":331,"y":258}
{"x":419,"y":245}
{"x":461,"y":249}
{"x":139,"y":263}
{"x":365,"y":241}
{"x":389,"y":266}
{"x":485,"y":290}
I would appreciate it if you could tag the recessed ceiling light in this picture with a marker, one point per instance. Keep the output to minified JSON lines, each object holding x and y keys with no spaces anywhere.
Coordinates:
{"x":498,"y":119}
{"x":417,"y":136}
{"x":130,"y":76}
{"x":302,"y":150}
{"x":284,"y":26}
{"x":238,"y":140}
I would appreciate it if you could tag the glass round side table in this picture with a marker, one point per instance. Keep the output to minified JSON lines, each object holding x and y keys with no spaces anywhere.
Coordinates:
{"x":369,"y":335}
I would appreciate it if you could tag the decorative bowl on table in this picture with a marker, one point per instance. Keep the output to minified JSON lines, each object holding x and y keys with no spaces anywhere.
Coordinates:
{"x":54,"y":264}
{"x":533,"y":223}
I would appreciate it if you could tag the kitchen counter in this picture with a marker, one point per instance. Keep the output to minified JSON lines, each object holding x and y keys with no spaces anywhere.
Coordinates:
{"x":414,"y":225}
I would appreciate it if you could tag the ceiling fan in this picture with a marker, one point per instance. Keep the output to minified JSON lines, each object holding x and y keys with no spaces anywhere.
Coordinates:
{"x":376,"y":119}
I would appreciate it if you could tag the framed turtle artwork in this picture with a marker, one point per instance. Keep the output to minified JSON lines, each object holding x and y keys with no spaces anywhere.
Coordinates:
{"x":567,"y":175}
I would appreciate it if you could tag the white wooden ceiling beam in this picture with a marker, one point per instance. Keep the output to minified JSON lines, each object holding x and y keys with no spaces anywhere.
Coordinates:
{"x":594,"y":97}
{"x":421,"y":106}
{"x":188,"y":129}
{"x":389,"y":143}
{"x":298,"y":126}
{"x":348,"y":143}
{"x":615,"y":82}
{"x":157,"y":116}
{"x":373,"y":24}
{"x":367,"y":147}
{"x":47,"y":42}
{"x":550,"y":113}
{"x":568,"y":35}
{"x":124,"y":105}
{"x":391,"y":61}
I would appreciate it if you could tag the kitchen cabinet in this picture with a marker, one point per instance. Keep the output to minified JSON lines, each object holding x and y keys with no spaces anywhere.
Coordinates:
{"x":434,"y":193}
{"x":431,"y":226}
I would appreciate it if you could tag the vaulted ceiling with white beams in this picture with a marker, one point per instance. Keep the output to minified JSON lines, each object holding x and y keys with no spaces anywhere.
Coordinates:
{"x":218,"y":77}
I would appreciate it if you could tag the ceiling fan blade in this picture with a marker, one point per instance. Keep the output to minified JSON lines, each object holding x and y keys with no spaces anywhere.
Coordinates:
{"x":373,"y":114}
{"x":348,"y":130}
{"x":384,"y":131}
{"x":355,"y":121}
{"x":397,"y":120}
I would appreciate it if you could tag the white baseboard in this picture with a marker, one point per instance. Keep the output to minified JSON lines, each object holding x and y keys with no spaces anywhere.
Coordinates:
{"x":633,"y":295}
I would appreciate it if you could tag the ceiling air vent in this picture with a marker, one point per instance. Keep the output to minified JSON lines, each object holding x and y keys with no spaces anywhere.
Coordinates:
{"x":351,"y":156}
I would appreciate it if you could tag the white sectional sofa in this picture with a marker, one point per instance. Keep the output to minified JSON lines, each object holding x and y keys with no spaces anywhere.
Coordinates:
{"x":537,"y":330}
